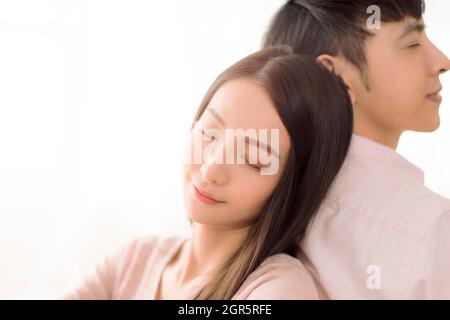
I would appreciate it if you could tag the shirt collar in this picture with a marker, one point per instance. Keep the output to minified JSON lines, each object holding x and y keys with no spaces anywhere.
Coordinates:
{"x":370,"y":149}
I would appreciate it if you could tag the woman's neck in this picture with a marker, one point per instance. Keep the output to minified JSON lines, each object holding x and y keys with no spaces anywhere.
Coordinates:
{"x":208,"y":249}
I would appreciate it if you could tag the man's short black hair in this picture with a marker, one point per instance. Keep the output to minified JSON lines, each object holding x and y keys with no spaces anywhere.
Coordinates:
{"x":334,"y":27}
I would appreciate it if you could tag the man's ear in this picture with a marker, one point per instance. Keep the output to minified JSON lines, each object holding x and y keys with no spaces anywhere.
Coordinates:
{"x":336,"y":65}
{"x":328,"y":61}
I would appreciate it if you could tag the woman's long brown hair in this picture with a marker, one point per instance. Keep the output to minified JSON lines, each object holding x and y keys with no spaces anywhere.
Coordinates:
{"x":314,"y":106}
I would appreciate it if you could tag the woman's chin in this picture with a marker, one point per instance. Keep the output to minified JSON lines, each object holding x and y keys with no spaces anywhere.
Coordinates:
{"x":201,"y":219}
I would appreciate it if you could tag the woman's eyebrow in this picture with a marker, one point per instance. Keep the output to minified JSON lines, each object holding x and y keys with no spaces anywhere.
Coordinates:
{"x":263,"y":146}
{"x":217,"y":116}
{"x":259,"y":144}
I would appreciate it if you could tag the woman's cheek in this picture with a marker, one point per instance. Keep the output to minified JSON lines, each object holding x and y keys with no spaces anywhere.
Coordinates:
{"x":253,"y":193}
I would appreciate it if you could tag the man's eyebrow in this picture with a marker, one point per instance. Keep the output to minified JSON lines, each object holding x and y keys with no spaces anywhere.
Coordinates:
{"x":217,"y":116}
{"x":415,"y":26}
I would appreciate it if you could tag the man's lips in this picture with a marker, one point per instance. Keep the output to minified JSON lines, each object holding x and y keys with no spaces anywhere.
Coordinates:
{"x":204,"y":196}
{"x":435,"y":96}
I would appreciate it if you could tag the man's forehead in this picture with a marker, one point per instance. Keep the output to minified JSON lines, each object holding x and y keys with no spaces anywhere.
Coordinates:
{"x":397,"y":30}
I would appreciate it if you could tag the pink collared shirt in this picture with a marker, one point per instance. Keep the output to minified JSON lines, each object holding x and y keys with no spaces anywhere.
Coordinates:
{"x":380,"y":233}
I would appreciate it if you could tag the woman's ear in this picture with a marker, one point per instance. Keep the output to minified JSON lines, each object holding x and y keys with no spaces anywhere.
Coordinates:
{"x":336,"y":65}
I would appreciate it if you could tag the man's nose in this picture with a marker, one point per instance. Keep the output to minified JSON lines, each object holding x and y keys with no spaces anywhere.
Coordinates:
{"x":440,"y":62}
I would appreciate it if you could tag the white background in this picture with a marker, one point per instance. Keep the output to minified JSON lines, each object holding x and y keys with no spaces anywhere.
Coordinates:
{"x":96,"y":100}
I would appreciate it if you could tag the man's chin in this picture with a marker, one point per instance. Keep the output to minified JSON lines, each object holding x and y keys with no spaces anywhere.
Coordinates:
{"x":429,"y":126}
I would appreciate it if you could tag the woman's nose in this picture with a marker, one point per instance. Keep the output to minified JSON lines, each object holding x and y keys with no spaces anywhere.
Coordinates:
{"x":213,"y":169}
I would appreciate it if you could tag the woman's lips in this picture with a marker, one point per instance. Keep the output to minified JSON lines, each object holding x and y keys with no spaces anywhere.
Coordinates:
{"x":204,"y":198}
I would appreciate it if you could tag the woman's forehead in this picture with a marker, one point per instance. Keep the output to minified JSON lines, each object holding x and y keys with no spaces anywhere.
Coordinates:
{"x":243,"y":103}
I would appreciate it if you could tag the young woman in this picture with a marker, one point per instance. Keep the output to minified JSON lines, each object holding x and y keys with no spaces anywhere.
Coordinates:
{"x":248,"y":215}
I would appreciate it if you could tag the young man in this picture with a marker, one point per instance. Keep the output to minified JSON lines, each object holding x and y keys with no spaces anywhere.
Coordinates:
{"x":380,"y":233}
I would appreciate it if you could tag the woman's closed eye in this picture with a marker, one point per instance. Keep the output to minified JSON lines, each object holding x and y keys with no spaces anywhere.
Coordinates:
{"x":255,"y":166}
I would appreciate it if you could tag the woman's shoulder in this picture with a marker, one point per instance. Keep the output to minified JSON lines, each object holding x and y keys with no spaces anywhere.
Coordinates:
{"x":152,"y":242}
{"x":279,"y":277}
{"x":146,"y":247}
{"x":118,"y":274}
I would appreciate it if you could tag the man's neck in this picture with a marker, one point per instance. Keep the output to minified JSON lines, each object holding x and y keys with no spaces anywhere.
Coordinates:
{"x":382,"y":136}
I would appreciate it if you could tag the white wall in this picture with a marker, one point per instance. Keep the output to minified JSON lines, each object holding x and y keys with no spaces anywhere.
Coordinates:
{"x":96,"y":99}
